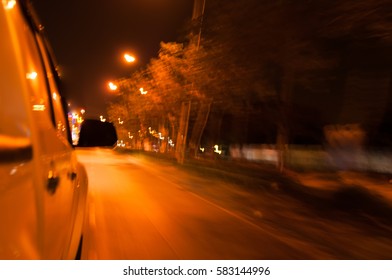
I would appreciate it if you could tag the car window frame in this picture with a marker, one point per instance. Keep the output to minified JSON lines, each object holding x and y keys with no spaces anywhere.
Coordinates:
{"x":38,"y":30}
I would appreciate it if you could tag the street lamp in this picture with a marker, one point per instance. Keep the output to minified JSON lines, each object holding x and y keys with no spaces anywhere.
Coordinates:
{"x":112,"y":86}
{"x":129,"y":58}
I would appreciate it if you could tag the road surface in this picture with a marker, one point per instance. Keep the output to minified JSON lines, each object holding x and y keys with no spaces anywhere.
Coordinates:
{"x":141,"y":209}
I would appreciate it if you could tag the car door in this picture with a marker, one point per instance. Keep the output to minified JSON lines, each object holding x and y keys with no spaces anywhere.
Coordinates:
{"x":72,"y":171}
{"x":19,"y":234}
{"x":53,"y":162}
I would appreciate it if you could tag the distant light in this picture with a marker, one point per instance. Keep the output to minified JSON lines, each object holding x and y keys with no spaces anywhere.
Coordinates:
{"x":142,"y":91}
{"x":216,"y":149}
{"x":82,"y":111}
{"x":10,"y":4}
{"x":120,"y":143}
{"x":170,"y":142}
{"x":32,"y":75}
{"x":129,"y":58}
{"x":54,"y":96}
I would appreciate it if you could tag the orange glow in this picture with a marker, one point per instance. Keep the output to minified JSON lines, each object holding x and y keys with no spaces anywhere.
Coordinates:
{"x":9,"y":4}
{"x":32,"y":75}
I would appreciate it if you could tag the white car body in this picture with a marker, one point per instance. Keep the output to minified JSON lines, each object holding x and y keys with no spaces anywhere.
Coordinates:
{"x":43,"y":188}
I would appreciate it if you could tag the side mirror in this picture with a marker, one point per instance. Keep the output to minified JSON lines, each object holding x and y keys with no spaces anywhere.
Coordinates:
{"x":15,"y":149}
{"x":94,"y":133}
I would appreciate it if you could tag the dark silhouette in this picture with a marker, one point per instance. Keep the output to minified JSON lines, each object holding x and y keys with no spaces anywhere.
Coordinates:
{"x":95,"y":133}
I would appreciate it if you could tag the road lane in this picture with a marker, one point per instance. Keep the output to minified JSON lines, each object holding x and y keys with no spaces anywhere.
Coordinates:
{"x":136,"y":213}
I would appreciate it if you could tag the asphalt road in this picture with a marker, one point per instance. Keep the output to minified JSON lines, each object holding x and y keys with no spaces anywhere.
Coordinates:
{"x":141,"y":208}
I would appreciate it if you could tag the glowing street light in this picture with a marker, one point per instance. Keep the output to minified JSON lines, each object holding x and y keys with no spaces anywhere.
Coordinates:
{"x":112,"y":86}
{"x":129,"y":58}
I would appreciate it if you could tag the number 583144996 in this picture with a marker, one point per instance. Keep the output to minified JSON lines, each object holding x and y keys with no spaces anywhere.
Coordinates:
{"x":242,"y":271}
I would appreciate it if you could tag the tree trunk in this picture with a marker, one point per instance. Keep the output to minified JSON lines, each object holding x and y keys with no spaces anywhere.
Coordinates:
{"x":199,"y":126}
{"x":282,"y":139}
{"x":173,"y":129}
{"x":183,"y":131}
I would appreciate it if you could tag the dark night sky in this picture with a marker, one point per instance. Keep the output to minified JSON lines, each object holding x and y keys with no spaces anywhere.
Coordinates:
{"x":90,"y":36}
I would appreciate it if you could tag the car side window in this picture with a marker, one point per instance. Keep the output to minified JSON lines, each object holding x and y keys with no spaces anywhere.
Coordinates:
{"x":55,"y":97}
{"x":30,"y":62}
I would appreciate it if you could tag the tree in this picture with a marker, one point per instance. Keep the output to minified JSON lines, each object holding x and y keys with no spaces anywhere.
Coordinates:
{"x":259,"y":52}
{"x":165,"y":87}
{"x":255,"y":57}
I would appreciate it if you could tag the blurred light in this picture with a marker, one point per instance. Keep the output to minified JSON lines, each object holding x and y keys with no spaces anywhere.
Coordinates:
{"x":142,"y":91}
{"x":38,"y":107}
{"x":13,"y":171}
{"x":120,"y":143}
{"x":216,"y":149}
{"x":202,"y":149}
{"x":32,"y":75}
{"x":112,"y":86}
{"x":54,"y":96}
{"x":82,"y":111}
{"x":170,"y":142}
{"x":129,"y":58}
{"x":10,"y":4}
